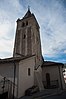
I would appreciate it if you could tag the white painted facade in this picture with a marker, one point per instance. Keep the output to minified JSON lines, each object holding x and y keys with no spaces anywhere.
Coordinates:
{"x":23,"y":81}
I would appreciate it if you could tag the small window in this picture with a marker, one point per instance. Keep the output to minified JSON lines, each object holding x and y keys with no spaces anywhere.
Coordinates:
{"x":28,"y":71}
{"x":23,"y":24}
{"x":26,"y":22}
{"x":24,"y":36}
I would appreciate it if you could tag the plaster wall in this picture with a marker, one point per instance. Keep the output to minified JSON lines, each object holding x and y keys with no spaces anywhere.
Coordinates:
{"x":54,"y":74}
{"x":25,"y":81}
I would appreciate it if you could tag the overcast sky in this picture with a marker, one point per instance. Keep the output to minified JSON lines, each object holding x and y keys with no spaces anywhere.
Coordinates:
{"x":51,"y":16}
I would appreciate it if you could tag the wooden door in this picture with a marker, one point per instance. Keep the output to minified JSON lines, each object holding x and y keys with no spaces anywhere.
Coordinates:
{"x":48,"y":80}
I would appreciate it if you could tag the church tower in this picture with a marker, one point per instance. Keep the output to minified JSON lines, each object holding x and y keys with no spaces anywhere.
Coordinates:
{"x":27,"y":40}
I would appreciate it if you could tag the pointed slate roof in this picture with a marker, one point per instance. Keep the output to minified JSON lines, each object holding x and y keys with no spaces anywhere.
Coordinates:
{"x":49,"y":63}
{"x":28,"y":14}
{"x":13,"y":59}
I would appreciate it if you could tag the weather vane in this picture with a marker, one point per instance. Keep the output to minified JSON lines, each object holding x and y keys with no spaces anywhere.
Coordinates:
{"x":28,"y":8}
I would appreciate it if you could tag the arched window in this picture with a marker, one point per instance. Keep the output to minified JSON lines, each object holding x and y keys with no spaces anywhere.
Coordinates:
{"x":23,"y":24}
{"x":24,"y":36}
{"x":28,"y":71}
{"x":48,"y":80}
{"x":26,"y":23}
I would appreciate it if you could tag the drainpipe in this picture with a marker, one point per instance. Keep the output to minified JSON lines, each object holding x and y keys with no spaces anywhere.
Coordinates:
{"x":14,"y":79}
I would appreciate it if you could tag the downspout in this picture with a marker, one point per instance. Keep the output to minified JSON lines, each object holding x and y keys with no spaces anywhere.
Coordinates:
{"x":14,"y":79}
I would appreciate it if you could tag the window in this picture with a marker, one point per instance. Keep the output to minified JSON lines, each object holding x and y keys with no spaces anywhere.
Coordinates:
{"x":24,"y":36}
{"x":23,"y":24}
{"x":28,"y":71}
{"x":26,"y":22}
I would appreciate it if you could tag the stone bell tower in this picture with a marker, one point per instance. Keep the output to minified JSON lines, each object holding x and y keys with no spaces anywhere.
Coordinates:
{"x":27,"y":40}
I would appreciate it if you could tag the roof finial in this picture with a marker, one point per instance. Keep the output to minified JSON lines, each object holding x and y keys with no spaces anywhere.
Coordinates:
{"x":28,"y":8}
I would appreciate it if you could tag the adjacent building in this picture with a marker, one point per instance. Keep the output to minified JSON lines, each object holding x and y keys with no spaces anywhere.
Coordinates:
{"x":52,"y":75}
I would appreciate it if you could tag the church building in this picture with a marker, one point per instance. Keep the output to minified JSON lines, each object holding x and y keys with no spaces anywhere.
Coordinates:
{"x":27,"y":68}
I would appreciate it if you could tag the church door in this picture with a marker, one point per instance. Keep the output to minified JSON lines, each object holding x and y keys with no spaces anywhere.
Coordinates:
{"x":48,"y":80}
